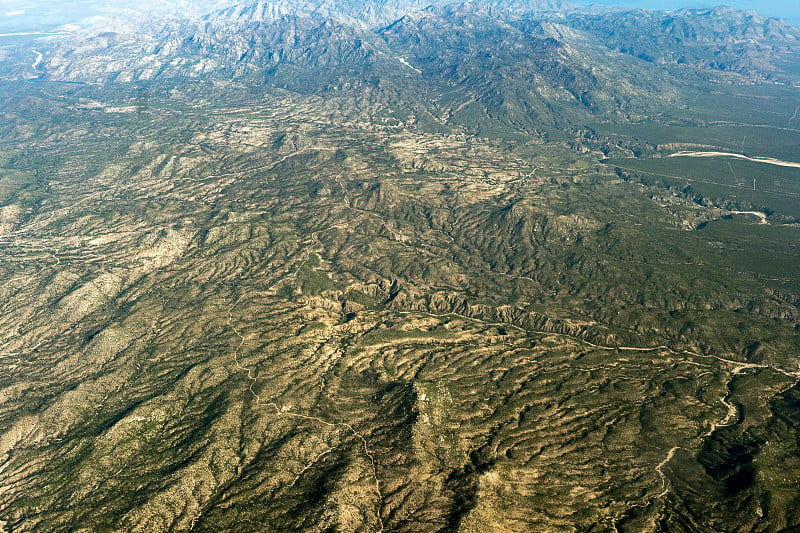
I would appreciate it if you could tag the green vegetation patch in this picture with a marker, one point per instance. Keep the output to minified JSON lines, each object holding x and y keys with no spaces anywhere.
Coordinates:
{"x":724,"y":181}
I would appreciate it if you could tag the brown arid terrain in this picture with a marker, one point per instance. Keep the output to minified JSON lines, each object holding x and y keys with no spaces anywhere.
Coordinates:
{"x":232,"y":310}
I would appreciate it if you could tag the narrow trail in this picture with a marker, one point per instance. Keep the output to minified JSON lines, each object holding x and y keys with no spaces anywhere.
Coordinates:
{"x":282,"y":411}
{"x":729,"y":419}
{"x":732,"y":413}
{"x":740,"y":365}
{"x":731,"y":410}
{"x":735,"y":177}
{"x":789,"y":124}
{"x":12,"y":280}
{"x":665,"y":484}
{"x":689,"y":179}
{"x":33,"y":247}
{"x":312,"y":244}
{"x":19,"y":355}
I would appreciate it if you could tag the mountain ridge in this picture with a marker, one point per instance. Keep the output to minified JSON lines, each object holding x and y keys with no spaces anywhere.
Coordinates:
{"x":462,"y":271}
{"x":257,"y":41}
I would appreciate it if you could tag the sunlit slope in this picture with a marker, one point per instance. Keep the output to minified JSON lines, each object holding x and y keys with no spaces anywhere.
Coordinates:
{"x":247,"y":319}
{"x":333,"y":267}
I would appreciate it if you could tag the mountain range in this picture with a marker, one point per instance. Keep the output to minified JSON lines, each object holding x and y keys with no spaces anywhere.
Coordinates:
{"x":395,"y":265}
{"x":512,"y":65}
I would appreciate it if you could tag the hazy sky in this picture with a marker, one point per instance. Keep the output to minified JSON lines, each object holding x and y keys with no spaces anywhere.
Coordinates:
{"x":785,"y":9}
